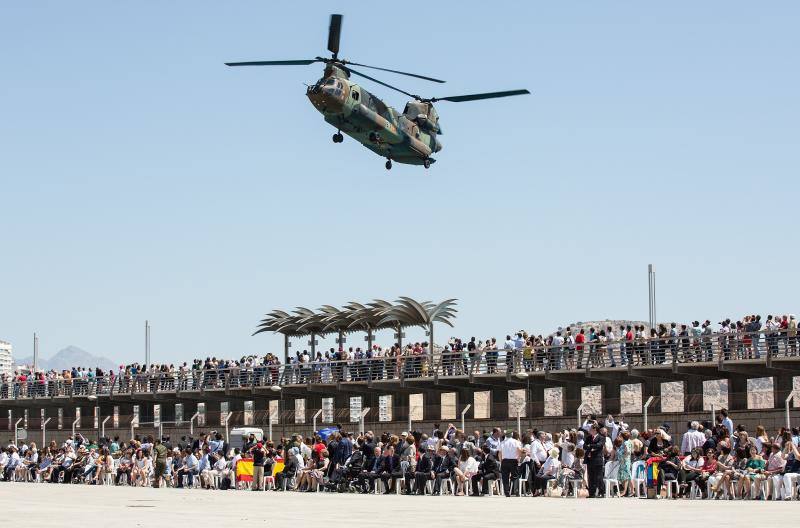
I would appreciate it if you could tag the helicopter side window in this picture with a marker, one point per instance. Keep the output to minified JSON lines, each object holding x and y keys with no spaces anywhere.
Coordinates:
{"x":355,"y":95}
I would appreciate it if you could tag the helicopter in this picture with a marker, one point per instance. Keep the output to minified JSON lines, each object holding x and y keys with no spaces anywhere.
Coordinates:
{"x":409,"y":137}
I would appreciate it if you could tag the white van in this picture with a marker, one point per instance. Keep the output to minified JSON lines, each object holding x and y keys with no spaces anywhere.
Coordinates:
{"x":239,"y":436}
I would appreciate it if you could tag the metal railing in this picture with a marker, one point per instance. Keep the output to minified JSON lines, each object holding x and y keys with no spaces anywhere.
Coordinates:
{"x":706,"y":349}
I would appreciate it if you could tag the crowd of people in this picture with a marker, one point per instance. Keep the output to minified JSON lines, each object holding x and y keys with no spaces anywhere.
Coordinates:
{"x":601,"y":458}
{"x":566,"y":348}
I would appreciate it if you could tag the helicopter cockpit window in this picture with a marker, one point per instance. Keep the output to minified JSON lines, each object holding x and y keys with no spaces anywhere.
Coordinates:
{"x":330,"y":82}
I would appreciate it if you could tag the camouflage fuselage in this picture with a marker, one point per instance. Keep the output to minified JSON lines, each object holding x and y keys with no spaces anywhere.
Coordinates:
{"x":348,"y":107}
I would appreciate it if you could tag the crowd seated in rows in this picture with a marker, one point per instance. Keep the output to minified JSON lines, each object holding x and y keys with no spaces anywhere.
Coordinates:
{"x":602,"y":458}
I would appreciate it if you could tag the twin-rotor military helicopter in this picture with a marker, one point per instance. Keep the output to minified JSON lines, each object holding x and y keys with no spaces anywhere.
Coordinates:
{"x":410,"y":137}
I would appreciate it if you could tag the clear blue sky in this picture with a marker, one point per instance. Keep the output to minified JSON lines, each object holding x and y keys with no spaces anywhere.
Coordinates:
{"x":142,"y":179}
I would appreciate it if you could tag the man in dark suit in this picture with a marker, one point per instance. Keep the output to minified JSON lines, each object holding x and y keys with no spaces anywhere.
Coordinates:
{"x":595,"y":462}
{"x":424,"y":471}
{"x":489,"y":469}
{"x":390,"y":469}
{"x":372,"y":470}
{"x":448,"y":465}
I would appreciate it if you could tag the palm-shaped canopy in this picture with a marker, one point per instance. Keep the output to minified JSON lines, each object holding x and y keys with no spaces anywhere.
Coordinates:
{"x":357,"y":317}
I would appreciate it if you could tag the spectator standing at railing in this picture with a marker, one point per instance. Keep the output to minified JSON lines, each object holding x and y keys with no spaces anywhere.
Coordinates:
{"x":580,"y":339}
{"x":611,"y":347}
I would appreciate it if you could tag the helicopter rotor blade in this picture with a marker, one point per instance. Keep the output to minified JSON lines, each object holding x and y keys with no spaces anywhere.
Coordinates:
{"x":334,"y":33}
{"x":477,"y":97}
{"x":302,"y":62}
{"x":394,"y":71}
{"x":373,"y":79}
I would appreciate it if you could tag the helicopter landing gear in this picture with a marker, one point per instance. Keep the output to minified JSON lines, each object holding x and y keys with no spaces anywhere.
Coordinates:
{"x":426,"y":163}
{"x":338,"y":137}
{"x":388,"y":164}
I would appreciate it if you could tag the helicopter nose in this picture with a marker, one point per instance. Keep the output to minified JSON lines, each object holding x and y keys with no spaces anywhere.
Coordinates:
{"x":325,"y":99}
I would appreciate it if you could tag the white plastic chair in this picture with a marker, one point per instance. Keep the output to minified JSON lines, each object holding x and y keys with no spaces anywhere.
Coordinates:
{"x":639,"y":478}
{"x":669,"y":484}
{"x":611,"y":479}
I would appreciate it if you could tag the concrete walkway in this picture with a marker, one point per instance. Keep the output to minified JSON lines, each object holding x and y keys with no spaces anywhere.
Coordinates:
{"x":51,"y":504}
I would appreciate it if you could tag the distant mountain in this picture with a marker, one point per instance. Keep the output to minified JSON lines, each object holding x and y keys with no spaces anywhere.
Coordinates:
{"x":69,"y":357}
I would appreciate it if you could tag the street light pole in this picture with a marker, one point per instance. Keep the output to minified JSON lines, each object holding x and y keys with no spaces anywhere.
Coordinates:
{"x":35,"y":352}
{"x":147,"y":344}
{"x":651,"y":294}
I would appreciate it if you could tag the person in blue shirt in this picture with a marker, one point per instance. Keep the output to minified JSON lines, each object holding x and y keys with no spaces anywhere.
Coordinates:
{"x":189,"y":469}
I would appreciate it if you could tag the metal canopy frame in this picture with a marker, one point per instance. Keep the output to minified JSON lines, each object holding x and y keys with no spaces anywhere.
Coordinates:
{"x":357,"y":317}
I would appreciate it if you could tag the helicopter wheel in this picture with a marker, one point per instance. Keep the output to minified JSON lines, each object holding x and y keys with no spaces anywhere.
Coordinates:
{"x":388,"y":164}
{"x":426,"y":163}
{"x":338,"y":137}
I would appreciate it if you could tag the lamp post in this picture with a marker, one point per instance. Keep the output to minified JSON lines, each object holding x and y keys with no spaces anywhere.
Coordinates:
{"x":463,"y":413}
{"x":644,"y":410}
{"x":316,"y":415}
{"x":191,"y":423}
{"x":227,"y":419}
{"x":16,"y":438}
{"x":651,"y":294}
{"x":788,"y":402}
{"x":44,"y":429}
{"x":580,"y":408}
{"x":35,"y":353}
{"x":364,"y":412}
{"x":147,"y":345}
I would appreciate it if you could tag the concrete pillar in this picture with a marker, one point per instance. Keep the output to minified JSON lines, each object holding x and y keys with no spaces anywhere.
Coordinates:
{"x":572,"y":398}
{"x":693,"y":394}
{"x":535,"y":400}
{"x":611,"y":398}
{"x":737,"y":392}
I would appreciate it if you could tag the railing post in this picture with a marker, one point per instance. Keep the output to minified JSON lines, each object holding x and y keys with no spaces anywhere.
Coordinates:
{"x":316,"y":415}
{"x":269,"y":420}
{"x":788,"y":402}
{"x":713,"y":416}
{"x":463,"y":413}
{"x":191,"y":423}
{"x":74,"y":424}
{"x":644,"y":411}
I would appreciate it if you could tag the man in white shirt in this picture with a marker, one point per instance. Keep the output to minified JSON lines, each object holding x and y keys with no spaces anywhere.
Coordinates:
{"x":538,"y":449}
{"x":510,"y":453}
{"x":556,"y":351}
{"x":611,"y":346}
{"x":693,"y":438}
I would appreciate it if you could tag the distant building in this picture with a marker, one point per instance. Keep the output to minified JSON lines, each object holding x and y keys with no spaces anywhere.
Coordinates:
{"x":6,"y":358}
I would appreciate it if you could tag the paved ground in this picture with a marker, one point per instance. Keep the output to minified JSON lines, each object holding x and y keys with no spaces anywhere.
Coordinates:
{"x":47,"y":505}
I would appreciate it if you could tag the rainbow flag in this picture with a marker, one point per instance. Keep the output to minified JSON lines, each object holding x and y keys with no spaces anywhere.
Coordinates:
{"x":652,"y":471}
